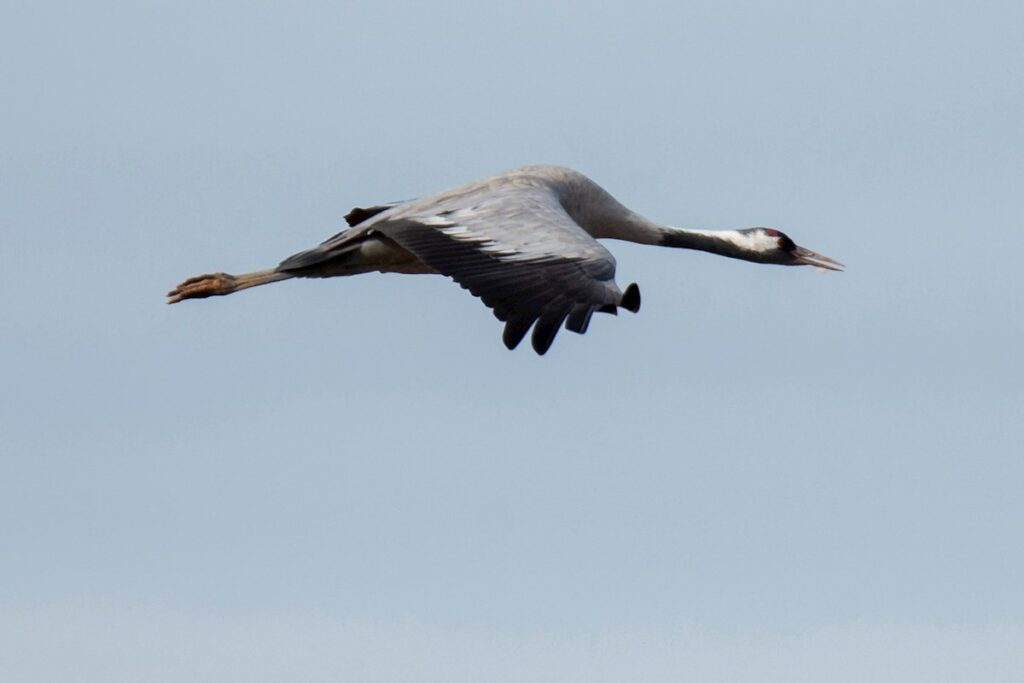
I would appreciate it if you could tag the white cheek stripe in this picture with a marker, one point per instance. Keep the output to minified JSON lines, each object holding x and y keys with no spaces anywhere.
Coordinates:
{"x":753,"y":241}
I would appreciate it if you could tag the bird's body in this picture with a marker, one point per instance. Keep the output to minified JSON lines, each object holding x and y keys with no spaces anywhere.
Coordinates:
{"x":524,"y":241}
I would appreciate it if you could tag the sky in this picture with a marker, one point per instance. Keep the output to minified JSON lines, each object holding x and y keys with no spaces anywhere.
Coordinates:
{"x":768,"y":474}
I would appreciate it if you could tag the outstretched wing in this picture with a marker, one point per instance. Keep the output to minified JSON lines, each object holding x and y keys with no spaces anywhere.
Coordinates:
{"x":516,"y":248}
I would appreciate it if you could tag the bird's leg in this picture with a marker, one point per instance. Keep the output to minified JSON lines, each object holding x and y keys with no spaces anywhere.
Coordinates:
{"x":219,"y":284}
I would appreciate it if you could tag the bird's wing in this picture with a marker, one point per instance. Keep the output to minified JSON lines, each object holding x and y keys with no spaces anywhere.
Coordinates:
{"x":516,"y":248}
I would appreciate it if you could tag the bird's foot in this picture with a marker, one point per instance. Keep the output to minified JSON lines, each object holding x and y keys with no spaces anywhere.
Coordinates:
{"x":202,"y":286}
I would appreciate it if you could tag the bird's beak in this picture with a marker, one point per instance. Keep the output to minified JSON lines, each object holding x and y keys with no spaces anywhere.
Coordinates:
{"x":806,"y":257}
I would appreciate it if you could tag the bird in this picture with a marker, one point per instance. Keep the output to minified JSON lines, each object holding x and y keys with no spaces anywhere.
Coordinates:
{"x":524,"y":241}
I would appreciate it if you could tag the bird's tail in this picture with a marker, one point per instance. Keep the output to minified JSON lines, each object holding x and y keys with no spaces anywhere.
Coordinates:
{"x":219,"y":284}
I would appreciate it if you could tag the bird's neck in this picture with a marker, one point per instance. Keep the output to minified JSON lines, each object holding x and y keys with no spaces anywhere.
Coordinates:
{"x":636,"y":228}
{"x":732,"y":243}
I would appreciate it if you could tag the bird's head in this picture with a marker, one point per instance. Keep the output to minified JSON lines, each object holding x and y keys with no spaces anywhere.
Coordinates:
{"x":768,"y":245}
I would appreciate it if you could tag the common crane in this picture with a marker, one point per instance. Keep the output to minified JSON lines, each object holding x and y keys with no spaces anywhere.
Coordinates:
{"x":524,"y":241}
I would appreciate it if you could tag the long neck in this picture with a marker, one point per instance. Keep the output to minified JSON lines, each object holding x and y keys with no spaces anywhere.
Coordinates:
{"x":635,"y":228}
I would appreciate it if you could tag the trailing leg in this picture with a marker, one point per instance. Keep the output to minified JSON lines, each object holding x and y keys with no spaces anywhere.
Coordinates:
{"x":219,"y":284}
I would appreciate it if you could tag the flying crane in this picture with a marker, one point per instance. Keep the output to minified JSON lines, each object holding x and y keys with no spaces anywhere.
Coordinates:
{"x":524,"y":241}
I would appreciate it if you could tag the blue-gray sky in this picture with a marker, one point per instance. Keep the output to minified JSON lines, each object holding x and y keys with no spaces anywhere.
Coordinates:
{"x":768,"y":474}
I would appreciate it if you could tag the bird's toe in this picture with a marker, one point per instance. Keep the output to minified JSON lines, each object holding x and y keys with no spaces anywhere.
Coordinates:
{"x":201,"y":286}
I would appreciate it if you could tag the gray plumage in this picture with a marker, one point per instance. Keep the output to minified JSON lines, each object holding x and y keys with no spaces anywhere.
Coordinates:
{"x":523,"y":241}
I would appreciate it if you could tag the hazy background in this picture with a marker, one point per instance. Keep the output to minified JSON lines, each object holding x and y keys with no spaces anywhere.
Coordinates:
{"x":769,"y":474}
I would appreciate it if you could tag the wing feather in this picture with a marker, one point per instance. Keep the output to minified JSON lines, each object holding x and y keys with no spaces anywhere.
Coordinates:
{"x":579,"y":318}
{"x":518,"y":250}
{"x":548,"y":324}
{"x":508,"y":240}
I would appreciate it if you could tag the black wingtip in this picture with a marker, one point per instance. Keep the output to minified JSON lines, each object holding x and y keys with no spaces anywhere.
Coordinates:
{"x":546,"y":329}
{"x":579,"y":318}
{"x":515,"y":329}
{"x":631,"y":298}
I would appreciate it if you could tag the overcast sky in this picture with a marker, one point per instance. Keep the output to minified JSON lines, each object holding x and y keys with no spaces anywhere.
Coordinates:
{"x":768,"y":474}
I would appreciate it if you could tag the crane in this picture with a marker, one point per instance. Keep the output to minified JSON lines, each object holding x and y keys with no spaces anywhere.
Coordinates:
{"x":523,"y":241}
